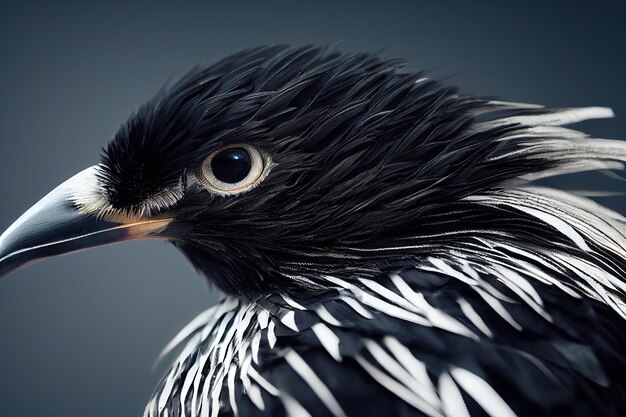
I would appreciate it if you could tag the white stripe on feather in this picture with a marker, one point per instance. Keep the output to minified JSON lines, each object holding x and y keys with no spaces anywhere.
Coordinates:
{"x":328,"y":339}
{"x":263,"y":318}
{"x":292,"y":303}
{"x":314,"y":382}
{"x":244,"y":377}
{"x":519,"y":281}
{"x":498,"y":308}
{"x":437,"y":317}
{"x":559,"y":225}
{"x":271,"y":335}
{"x":167,"y":390}
{"x":508,"y":277}
{"x":550,"y":118}
{"x":324,"y":314}
{"x":289,"y":320}
{"x":293,"y":407}
{"x":474,"y":317}
{"x":357,"y":307}
{"x":451,"y":398}
{"x":414,"y":366}
{"x":254,"y":393}
{"x":397,"y":388}
{"x":263,"y":383}
{"x":232,"y":374}
{"x":513,"y":105}
{"x":255,"y":346}
{"x":381,"y":305}
{"x":189,"y":378}
{"x":201,"y":321}
{"x":446,"y":269}
{"x":399,"y":373}
{"x":388,"y":294}
{"x":482,"y":393}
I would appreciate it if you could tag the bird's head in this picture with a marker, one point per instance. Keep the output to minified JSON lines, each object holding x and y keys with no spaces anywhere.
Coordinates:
{"x":278,"y":166}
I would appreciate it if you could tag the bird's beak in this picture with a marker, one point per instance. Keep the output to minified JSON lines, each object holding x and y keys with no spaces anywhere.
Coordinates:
{"x":55,"y":226}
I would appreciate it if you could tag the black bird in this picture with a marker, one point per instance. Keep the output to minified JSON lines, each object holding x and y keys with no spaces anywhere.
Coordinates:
{"x":379,"y":237}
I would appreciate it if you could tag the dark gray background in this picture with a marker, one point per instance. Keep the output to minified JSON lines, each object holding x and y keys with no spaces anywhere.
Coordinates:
{"x":79,"y":334}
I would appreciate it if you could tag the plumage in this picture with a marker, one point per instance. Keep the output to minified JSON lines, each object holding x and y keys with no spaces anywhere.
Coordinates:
{"x":396,"y":257}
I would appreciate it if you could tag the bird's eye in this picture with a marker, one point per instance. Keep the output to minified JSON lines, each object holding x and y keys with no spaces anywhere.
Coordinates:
{"x":232,"y":169}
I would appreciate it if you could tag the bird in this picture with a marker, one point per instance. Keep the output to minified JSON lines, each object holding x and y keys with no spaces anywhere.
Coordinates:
{"x":382,"y":241}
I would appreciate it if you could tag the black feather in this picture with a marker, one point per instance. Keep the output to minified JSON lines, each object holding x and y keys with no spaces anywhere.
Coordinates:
{"x":378,"y":171}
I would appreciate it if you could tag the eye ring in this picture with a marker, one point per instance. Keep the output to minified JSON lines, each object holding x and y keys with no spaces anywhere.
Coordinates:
{"x":233,"y":169}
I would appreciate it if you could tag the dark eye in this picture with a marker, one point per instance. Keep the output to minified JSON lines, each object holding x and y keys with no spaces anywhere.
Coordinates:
{"x":231,"y":165}
{"x":232,"y":169}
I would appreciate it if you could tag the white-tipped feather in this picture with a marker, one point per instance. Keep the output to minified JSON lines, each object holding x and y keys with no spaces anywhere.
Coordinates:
{"x":328,"y":339}
{"x":403,"y":376}
{"x":397,"y":388}
{"x":474,"y":317}
{"x":310,"y":377}
{"x":415,"y":367}
{"x":225,"y":342}
{"x":451,"y":398}
{"x":437,"y":317}
{"x":293,"y":407}
{"x":325,"y":315}
{"x":482,"y":393}
{"x":497,"y":306}
{"x":289,"y":320}
{"x":550,"y":118}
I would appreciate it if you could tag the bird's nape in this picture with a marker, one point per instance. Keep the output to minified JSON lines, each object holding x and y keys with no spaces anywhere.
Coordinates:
{"x":377,"y":234}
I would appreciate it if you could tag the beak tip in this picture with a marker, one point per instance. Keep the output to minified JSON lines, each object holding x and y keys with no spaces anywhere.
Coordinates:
{"x":55,"y":226}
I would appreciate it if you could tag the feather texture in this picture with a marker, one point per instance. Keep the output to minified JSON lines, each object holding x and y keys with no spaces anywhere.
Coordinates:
{"x":397,"y":258}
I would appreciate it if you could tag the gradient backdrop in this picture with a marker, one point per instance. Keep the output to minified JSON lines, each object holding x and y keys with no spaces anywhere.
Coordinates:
{"x":79,"y":334}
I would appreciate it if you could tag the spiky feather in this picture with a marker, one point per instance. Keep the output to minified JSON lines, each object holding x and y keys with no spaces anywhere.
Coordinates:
{"x":397,"y":259}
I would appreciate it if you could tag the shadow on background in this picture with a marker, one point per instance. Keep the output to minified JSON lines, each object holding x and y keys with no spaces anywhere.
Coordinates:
{"x":79,"y":334}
